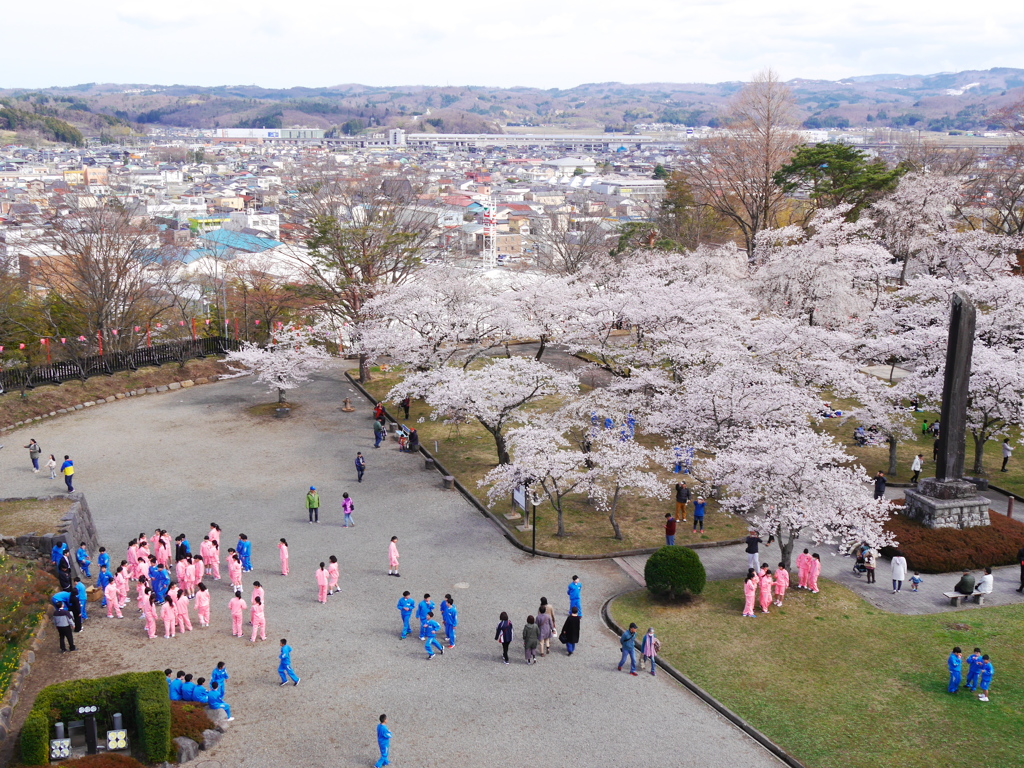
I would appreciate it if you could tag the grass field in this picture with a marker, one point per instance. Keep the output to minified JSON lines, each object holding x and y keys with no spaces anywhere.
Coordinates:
{"x":840,"y":684}
{"x":19,"y":517}
{"x":469,"y":454}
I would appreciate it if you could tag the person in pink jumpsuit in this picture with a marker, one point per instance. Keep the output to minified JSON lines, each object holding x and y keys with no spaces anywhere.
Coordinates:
{"x":781,"y":584}
{"x":181,"y":611}
{"x":203,"y":605}
{"x":258,"y":620}
{"x":149,"y":611}
{"x":141,"y":588}
{"x":257,"y":591}
{"x":237,"y":607}
{"x":206,"y":553}
{"x":393,"y":557}
{"x":121,"y":580}
{"x":749,"y":594}
{"x":133,"y":559}
{"x":282,"y":550}
{"x":813,"y":570}
{"x":169,"y":616}
{"x":322,"y":578}
{"x":181,"y":572}
{"x":332,"y":574}
{"x":215,"y":564}
{"x":214,"y":534}
{"x":235,"y":571}
{"x":766,"y":583}
{"x":801,"y":568}
{"x":196,"y":575}
{"x":110,"y":593}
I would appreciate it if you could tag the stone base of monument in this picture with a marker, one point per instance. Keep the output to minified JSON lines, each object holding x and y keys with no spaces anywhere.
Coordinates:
{"x":947,"y":504}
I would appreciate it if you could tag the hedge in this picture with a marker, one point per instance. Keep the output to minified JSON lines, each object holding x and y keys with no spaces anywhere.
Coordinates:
{"x":675,"y":572}
{"x":943,"y":550}
{"x":141,"y":697}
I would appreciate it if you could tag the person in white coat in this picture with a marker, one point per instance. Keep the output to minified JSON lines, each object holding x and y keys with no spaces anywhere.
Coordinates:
{"x":899,"y":571}
{"x":986,"y":583}
{"x":916,"y":468}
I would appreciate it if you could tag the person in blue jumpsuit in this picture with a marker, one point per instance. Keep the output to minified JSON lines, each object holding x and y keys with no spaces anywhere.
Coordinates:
{"x":384,"y":742}
{"x":574,"y":595}
{"x":103,"y":559}
{"x":955,"y":663}
{"x":199,"y":694}
{"x":406,"y":605}
{"x":986,"y":671}
{"x":284,"y":665}
{"x":430,"y":628}
{"x":220,"y":676}
{"x":102,"y":579}
{"x":160,"y":580}
{"x":215,"y":700}
{"x":174,"y":687}
{"x":57,"y":552}
{"x":61,"y":597}
{"x":450,"y":614}
{"x":244,"y":549}
{"x":425,"y":606}
{"x":82,"y":558}
{"x":188,"y":689}
{"x":83,"y":596}
{"x":973,"y":663}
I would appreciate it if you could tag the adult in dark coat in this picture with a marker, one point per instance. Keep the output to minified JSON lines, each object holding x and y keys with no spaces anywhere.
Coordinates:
{"x":1020,"y":559}
{"x":880,"y":483}
{"x":64,"y":571}
{"x":76,"y":609}
{"x":570,"y":634}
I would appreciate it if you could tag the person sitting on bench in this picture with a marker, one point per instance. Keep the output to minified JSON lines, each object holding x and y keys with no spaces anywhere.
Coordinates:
{"x":986,"y":583}
{"x":966,"y":584}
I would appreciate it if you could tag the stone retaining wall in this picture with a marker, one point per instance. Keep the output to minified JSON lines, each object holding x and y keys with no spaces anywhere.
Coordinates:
{"x":74,"y":527}
{"x":28,"y":658}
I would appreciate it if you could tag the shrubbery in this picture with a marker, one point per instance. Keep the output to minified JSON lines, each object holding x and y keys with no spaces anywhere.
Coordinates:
{"x":102,"y":761}
{"x":189,"y":719}
{"x":140,"y":696}
{"x":25,"y":591}
{"x":675,"y":572}
{"x":941,"y":550}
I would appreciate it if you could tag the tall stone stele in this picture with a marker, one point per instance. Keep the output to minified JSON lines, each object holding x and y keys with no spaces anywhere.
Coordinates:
{"x":948,"y":500}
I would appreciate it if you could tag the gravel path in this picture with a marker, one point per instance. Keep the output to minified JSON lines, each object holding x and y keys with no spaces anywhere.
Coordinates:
{"x":181,"y":459}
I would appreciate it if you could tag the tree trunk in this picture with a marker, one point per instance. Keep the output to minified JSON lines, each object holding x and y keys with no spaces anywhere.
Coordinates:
{"x":786,"y":545}
{"x":561,"y":520}
{"x":611,"y":515}
{"x":891,"y":439}
{"x":499,"y":443}
{"x":280,"y":395}
{"x":543,"y":346}
{"x":364,"y":370}
{"x":980,"y":438}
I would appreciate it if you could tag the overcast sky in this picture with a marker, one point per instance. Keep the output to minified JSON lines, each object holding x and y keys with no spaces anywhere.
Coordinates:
{"x":542,"y":43}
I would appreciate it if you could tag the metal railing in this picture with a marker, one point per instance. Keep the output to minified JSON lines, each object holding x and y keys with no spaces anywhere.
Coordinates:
{"x":81,"y":368}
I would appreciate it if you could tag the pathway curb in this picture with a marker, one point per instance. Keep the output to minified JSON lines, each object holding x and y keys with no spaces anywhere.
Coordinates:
{"x":482,"y":509}
{"x":706,"y":697}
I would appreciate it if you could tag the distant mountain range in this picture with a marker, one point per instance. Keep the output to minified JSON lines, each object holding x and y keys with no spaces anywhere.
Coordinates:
{"x":940,"y":102}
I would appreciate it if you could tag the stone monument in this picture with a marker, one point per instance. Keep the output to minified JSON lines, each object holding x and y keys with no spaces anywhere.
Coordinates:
{"x":948,"y":500}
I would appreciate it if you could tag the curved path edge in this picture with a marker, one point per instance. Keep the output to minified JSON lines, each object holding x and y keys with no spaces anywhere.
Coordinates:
{"x":706,"y":697}
{"x":486,"y":512}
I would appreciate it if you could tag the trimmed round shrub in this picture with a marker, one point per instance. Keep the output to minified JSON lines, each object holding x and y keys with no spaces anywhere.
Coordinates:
{"x":675,"y":572}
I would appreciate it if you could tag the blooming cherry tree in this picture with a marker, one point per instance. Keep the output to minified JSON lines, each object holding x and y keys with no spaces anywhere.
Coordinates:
{"x":623,"y":466}
{"x":286,"y":362}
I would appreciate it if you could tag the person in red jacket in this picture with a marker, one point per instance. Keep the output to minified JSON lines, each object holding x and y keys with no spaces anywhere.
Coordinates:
{"x":670,"y":529}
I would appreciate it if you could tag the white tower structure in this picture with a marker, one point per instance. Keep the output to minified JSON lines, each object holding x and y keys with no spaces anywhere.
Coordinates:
{"x":489,"y":253}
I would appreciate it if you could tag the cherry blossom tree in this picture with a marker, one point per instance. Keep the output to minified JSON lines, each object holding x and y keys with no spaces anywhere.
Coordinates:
{"x":494,"y":393}
{"x":796,"y":482}
{"x":622,"y":466}
{"x":286,"y":361}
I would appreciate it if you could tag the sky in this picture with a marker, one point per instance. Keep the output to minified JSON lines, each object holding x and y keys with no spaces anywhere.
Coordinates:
{"x":537,"y":43}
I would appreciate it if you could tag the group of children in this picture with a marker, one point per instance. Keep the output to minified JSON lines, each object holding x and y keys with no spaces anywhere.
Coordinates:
{"x":979,"y":672}
{"x":181,"y":688}
{"x":429,"y":628}
{"x":763,"y":582}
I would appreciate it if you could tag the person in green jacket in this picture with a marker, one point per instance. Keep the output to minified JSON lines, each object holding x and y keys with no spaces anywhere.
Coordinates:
{"x":313,"y":505}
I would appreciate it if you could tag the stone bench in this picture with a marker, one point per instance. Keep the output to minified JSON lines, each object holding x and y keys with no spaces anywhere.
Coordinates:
{"x":956,"y":598}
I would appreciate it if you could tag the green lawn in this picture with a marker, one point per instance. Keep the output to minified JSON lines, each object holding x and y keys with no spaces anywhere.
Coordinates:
{"x":840,"y":684}
{"x":469,"y":454}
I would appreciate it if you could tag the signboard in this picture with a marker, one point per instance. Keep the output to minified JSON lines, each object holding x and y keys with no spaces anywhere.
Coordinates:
{"x":519,"y":497}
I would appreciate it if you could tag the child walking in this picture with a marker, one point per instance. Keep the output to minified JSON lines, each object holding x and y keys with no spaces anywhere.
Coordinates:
{"x":282,"y":548}
{"x":332,"y":576}
{"x":348,"y":507}
{"x":258,"y":619}
{"x":393,"y":557}
{"x":52,"y":466}
{"x":203,"y":605}
{"x":322,"y":578}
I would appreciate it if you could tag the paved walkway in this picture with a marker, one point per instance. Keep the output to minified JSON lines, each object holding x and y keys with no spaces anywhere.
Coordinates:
{"x":181,"y":459}
{"x":731,"y":563}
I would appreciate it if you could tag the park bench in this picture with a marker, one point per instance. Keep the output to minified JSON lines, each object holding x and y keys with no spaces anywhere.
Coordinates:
{"x":955,"y":598}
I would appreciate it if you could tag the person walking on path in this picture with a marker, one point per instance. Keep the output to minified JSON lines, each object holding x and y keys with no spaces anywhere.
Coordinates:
{"x":649,"y":649}
{"x":570,"y":634}
{"x":987,"y":671}
{"x":284,"y":664}
{"x":752,"y":541}
{"x":682,"y":497}
{"x":1007,"y":453}
{"x":322,"y":579}
{"x":282,"y":549}
{"x":68,"y":470}
{"x":313,"y":505}
{"x":52,"y":466}
{"x":880,"y":485}
{"x":379,"y":433}
{"x":955,"y":664}
{"x":899,"y":571}
{"x":670,"y":529}
{"x":424,"y":607}
{"x":574,"y":594}
{"x":503,"y":635}
{"x":332,"y":575}
{"x":203,"y":605}
{"x":430,"y":628}
{"x":813,"y":571}
{"x":383,"y":742}
{"x":406,"y":605}
{"x":237,"y":606}
{"x":451,"y":619}
{"x":347,"y":507}
{"x":360,"y":466}
{"x":698,"y":514}
{"x":531,"y":639}
{"x":393,"y":557}
{"x":64,"y":623}
{"x":258,"y":619}
{"x":628,"y":643}
{"x":545,"y":629}
{"x":244,"y":549}
{"x":916,"y":468}
{"x":34,"y":452}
